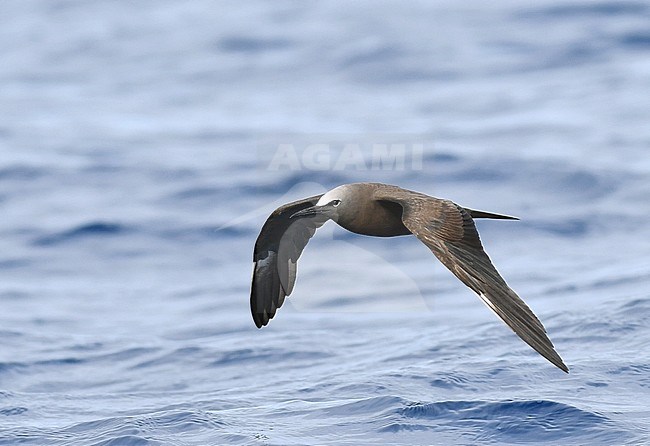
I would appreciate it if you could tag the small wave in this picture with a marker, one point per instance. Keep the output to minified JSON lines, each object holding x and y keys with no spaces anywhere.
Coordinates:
{"x":641,"y":370}
{"x":172,"y":426}
{"x":20,"y":173}
{"x":371,"y":55}
{"x":14,"y":263}
{"x":638,"y":310}
{"x":252,"y":45}
{"x":177,"y":421}
{"x":596,"y":9}
{"x":543,"y":420}
{"x":639,"y":40}
{"x":11,"y":366}
{"x":201,"y":193}
{"x":59,"y":361}
{"x":10,"y":411}
{"x":165,"y":424}
{"x":128,"y":440}
{"x":568,"y":228}
{"x":127,"y":354}
{"x":198,"y":234}
{"x":247,"y":354}
{"x":372,"y":405}
{"x":451,"y":381}
{"x":84,"y":231}
{"x":171,"y":357}
{"x":570,"y":182}
{"x":441,"y":157}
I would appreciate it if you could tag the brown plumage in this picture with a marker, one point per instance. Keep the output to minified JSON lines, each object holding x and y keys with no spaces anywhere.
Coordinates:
{"x":381,"y":210}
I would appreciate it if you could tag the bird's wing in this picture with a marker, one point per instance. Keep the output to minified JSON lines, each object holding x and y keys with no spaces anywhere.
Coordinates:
{"x":276,"y":253}
{"x":448,"y":230}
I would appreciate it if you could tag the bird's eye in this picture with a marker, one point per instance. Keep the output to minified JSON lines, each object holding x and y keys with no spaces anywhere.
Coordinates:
{"x":336,"y":202}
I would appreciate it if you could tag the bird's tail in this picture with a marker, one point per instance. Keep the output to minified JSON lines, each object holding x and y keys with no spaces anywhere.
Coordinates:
{"x":483,"y":214}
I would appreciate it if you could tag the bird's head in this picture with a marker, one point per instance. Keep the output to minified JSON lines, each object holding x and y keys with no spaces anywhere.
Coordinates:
{"x":331,"y":204}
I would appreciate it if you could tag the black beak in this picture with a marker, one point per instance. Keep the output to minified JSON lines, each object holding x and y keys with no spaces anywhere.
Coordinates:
{"x":314,"y":210}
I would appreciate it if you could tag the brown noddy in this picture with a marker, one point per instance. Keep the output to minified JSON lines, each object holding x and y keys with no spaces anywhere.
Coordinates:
{"x":382,"y":210}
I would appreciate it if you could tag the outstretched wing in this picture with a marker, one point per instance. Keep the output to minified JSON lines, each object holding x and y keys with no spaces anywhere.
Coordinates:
{"x":280,"y":243}
{"x":449,"y":231}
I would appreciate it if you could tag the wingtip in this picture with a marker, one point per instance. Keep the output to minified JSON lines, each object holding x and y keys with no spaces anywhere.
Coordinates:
{"x":554,"y":358}
{"x":260,"y":319}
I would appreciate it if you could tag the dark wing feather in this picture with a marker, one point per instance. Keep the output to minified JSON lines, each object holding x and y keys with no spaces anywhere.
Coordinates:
{"x":280,"y":243}
{"x":449,"y":231}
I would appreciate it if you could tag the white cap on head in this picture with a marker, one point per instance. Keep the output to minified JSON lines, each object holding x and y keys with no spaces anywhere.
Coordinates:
{"x":338,"y":193}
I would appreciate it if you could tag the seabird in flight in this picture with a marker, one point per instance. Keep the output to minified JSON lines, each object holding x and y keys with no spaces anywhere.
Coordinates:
{"x":382,"y":210}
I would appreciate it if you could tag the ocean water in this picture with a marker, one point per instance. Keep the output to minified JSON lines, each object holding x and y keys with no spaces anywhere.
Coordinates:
{"x":138,"y":161}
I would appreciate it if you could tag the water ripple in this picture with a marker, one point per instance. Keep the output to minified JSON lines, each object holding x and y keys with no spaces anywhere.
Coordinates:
{"x":87,"y":230}
{"x":543,"y":420}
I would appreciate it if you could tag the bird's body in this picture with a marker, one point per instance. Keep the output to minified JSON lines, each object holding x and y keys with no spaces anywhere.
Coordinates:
{"x":371,"y":216}
{"x":382,"y":210}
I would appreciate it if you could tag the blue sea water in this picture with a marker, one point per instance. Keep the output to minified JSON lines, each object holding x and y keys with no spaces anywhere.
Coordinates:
{"x":136,"y":141}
